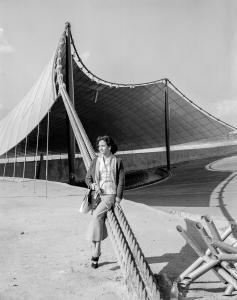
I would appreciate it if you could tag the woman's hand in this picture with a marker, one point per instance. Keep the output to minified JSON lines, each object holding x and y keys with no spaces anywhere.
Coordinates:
{"x":117,"y":200}
{"x":94,"y":186}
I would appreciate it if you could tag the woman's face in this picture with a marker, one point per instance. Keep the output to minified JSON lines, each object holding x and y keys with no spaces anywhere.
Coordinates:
{"x":104,"y":148}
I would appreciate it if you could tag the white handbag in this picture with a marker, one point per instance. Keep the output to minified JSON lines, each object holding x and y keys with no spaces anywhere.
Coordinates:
{"x":86,"y":203}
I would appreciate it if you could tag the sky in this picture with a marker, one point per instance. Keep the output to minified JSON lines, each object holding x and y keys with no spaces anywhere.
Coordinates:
{"x":193,"y":43}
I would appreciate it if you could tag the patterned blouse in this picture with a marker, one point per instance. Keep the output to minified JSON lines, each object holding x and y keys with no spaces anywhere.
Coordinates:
{"x":105,"y":176}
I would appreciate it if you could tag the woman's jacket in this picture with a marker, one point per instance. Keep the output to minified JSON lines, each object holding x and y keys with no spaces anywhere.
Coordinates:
{"x":119,"y":176}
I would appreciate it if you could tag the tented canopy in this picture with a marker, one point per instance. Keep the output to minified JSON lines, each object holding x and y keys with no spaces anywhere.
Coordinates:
{"x":29,"y":112}
{"x":133,"y":114}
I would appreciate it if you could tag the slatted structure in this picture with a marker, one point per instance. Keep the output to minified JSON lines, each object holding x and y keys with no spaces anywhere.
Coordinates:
{"x":218,"y":256}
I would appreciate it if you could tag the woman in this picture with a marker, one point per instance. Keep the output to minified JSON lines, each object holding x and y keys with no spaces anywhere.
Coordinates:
{"x":106,"y":177}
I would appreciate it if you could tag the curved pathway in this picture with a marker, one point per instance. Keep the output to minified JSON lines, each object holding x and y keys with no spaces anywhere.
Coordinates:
{"x":224,"y":195}
{"x":196,"y":187}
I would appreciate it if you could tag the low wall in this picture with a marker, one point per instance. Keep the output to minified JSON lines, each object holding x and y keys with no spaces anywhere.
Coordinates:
{"x":58,"y":168}
{"x":138,"y":161}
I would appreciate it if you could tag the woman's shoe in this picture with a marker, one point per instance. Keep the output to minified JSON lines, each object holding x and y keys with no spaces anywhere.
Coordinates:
{"x":94,"y":262}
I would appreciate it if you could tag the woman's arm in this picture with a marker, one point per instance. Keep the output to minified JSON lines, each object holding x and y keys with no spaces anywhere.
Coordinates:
{"x":121,"y":182}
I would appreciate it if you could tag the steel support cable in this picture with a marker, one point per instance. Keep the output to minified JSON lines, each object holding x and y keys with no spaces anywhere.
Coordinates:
{"x":35,"y":96}
{"x":76,"y":130}
{"x":74,"y":120}
{"x":78,"y":125}
{"x":112,"y":235}
{"x":80,"y":142}
{"x":36,"y":153}
{"x":125,"y":255}
{"x":132,"y":274}
{"x":137,"y":253}
{"x":84,"y":136}
{"x":199,"y":108}
{"x":70,"y":111}
{"x":108,"y":83}
{"x":31,"y":107}
{"x":5,"y":164}
{"x":124,"y":249}
{"x":14,"y":165}
{"x":47,"y":156}
{"x":38,"y":130}
{"x":24,"y":164}
{"x":122,"y":262}
{"x":85,"y":139}
{"x":142,"y":264}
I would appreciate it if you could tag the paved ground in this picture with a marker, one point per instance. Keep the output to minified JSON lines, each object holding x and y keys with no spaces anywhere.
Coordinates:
{"x":196,"y":187}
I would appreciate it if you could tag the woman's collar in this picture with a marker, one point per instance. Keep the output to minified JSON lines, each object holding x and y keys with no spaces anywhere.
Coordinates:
{"x":101,"y":156}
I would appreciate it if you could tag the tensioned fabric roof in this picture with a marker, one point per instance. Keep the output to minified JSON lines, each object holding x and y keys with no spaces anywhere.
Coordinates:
{"x":132,"y":114}
{"x":29,"y":112}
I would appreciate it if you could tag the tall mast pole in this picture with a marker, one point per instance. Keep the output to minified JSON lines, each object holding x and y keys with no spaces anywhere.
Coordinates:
{"x":70,"y":90}
{"x":167,"y":125}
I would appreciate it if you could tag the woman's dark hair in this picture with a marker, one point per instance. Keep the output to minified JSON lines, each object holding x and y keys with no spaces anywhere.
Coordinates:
{"x":109,"y":141}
